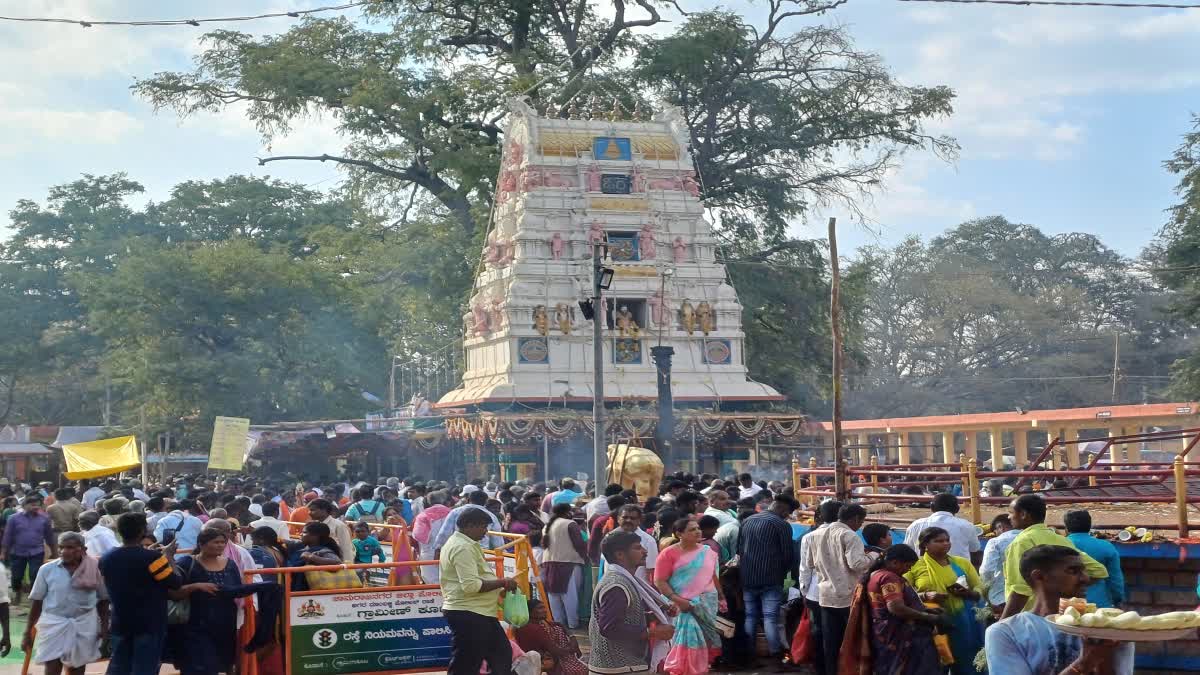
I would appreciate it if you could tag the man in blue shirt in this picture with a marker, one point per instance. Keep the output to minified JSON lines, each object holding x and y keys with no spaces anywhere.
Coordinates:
{"x":1026,"y":643}
{"x":179,"y":526}
{"x":1108,"y":592}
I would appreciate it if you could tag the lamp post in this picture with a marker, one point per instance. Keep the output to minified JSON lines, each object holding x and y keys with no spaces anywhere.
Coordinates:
{"x":664,"y":433}
{"x":601,"y":280}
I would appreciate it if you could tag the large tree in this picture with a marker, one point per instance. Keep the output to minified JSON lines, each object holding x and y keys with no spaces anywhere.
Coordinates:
{"x":198,"y":330}
{"x":994,"y":315}
{"x":1177,"y":257}
{"x":98,"y":299}
{"x":782,"y":115}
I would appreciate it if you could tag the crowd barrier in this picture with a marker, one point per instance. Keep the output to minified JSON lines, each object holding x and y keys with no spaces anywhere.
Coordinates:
{"x":968,"y":474}
{"x":397,"y":628}
{"x":328,"y":631}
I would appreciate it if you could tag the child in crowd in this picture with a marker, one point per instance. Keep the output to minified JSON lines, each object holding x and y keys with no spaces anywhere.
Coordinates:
{"x":366,"y":548}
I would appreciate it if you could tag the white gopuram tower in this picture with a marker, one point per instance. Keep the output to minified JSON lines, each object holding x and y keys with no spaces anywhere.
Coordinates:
{"x":564,"y":184}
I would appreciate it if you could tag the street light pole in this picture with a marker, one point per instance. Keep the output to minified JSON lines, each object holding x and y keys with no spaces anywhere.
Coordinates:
{"x":599,"y":450}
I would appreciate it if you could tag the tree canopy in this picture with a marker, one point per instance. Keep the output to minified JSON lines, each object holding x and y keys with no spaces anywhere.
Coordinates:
{"x":1177,"y":256}
{"x":256,"y":297}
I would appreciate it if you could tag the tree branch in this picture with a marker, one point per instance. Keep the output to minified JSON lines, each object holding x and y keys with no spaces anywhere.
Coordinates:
{"x":415,"y":173}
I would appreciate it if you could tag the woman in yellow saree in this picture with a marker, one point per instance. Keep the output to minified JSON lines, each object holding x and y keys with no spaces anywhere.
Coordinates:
{"x":958,"y":587}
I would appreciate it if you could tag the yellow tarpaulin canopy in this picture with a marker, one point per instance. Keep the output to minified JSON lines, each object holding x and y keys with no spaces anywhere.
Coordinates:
{"x":101,"y":458}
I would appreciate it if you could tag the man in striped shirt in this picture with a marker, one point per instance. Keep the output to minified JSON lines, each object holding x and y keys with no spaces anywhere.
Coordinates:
{"x":766,"y":554}
{"x":137,"y":579}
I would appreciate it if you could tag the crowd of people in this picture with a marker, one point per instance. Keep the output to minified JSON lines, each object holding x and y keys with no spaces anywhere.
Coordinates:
{"x":679,"y":582}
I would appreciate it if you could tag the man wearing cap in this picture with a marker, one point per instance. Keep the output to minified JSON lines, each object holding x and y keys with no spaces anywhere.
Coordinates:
{"x":26,"y":534}
{"x":138,"y":493}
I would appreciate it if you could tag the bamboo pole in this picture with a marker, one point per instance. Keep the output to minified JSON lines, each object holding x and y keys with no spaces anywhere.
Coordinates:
{"x":841,"y":486}
{"x":973,"y":481}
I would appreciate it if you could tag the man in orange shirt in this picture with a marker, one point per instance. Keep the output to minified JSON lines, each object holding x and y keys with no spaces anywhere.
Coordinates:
{"x":301,"y":515}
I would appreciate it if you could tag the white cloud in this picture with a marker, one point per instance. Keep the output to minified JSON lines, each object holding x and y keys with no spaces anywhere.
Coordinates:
{"x":1173,"y":24}
{"x":93,"y":126}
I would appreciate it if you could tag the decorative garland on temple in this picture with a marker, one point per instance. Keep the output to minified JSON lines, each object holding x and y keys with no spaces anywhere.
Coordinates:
{"x":506,"y":429}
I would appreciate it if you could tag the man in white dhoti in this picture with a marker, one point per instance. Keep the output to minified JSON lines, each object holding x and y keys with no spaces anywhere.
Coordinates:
{"x":70,"y":610}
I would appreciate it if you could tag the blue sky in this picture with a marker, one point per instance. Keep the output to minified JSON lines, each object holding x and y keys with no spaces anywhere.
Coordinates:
{"x":1064,"y":114}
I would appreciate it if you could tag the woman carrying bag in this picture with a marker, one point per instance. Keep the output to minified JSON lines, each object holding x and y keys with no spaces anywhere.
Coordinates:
{"x":957,"y":588}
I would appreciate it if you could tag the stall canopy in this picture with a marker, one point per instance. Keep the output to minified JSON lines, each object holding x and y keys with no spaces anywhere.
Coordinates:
{"x":101,"y":458}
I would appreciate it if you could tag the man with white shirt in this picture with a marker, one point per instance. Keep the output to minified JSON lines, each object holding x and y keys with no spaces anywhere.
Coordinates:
{"x":629,"y":519}
{"x":838,"y":556}
{"x":747,"y":487}
{"x":270,"y":518}
{"x":964,"y":538}
{"x":808,"y":586}
{"x":99,"y":540}
{"x":599,"y":505}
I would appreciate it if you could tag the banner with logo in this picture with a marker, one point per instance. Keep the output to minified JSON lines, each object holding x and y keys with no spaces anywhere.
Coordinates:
{"x":369,"y":632}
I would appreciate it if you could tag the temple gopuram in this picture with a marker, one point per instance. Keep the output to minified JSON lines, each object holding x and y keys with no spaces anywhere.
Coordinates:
{"x":525,"y":400}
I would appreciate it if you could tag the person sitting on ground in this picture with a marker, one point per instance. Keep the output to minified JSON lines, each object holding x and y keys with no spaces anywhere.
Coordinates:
{"x":559,"y":649}
{"x":1026,"y":644}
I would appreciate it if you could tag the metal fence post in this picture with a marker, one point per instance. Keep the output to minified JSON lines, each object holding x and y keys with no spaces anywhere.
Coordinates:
{"x":1181,"y":498}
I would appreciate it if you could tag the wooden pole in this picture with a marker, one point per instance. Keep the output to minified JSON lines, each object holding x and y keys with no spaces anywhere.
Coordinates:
{"x":972,"y":469}
{"x":841,"y":486}
{"x":1181,"y":496}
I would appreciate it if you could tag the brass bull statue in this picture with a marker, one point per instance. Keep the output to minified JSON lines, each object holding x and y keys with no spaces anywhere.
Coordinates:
{"x":634,"y":467}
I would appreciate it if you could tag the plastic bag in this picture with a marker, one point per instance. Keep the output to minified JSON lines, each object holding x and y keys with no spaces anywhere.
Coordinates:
{"x":803,"y":648}
{"x":516,"y":609}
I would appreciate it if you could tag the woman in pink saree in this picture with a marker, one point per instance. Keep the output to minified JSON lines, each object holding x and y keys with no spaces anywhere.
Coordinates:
{"x":425,"y":526}
{"x":686,"y":573}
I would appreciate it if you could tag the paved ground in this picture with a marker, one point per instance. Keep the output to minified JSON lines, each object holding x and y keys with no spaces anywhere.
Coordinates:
{"x":11,"y":665}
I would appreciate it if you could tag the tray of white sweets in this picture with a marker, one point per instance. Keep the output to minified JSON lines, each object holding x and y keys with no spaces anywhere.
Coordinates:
{"x":1078,"y":617}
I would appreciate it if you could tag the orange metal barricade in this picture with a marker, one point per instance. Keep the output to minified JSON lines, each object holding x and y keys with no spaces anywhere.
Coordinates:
{"x":524,"y":568}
